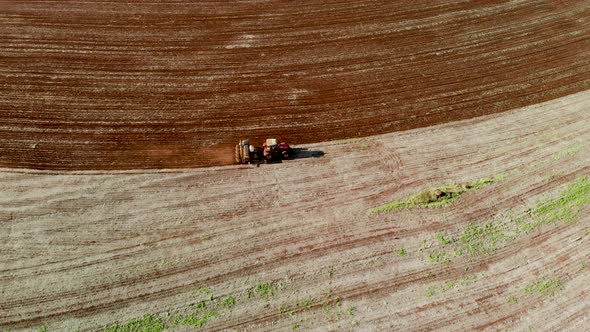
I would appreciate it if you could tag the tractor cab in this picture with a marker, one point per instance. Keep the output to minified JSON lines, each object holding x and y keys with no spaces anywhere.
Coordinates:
{"x":272,"y":150}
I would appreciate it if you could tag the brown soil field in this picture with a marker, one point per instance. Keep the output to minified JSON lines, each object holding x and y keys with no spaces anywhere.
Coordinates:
{"x":89,"y":85}
{"x":83,"y":249}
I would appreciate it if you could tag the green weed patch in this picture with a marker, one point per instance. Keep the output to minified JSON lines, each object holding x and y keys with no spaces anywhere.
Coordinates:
{"x":149,"y":323}
{"x":486,"y":237}
{"x":437,"y":197}
{"x":547,"y":287}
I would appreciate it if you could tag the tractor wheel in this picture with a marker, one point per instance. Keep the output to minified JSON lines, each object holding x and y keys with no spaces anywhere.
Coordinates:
{"x":237,"y":155}
{"x":285,"y":154}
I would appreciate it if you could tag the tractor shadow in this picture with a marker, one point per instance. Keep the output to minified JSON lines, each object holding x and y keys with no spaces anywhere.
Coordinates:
{"x":298,"y":153}
{"x":302,"y":153}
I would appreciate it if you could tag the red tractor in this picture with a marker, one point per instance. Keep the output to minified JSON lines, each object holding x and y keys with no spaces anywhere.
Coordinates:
{"x":269,"y":152}
{"x":273,"y":151}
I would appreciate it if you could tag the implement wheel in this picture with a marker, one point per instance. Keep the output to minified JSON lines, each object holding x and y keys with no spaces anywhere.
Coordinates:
{"x":237,"y":154}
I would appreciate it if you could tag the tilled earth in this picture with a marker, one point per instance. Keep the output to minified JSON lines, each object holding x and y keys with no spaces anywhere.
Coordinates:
{"x":83,"y":249}
{"x":135,"y":84}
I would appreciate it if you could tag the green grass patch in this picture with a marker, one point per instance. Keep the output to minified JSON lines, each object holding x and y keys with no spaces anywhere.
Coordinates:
{"x":443,"y":239}
{"x":265,"y":289}
{"x":196,"y":320}
{"x":200,"y":305}
{"x":351,"y":311}
{"x":486,"y":237}
{"x":448,"y":286}
{"x":430,"y":291}
{"x":229,"y":302}
{"x":478,"y":239}
{"x":569,"y":152}
{"x":197,"y":315}
{"x":403,"y":252}
{"x":149,"y":323}
{"x":438,"y":257}
{"x":546,"y":287}
{"x":440,"y":196}
{"x":565,"y":207}
{"x":307,"y":302}
{"x":512,"y":299}
{"x":468,"y":279}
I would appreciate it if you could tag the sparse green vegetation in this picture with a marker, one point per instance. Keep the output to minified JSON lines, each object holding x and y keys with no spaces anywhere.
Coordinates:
{"x":205,"y":291}
{"x":265,"y":289}
{"x":478,"y":239}
{"x":43,"y":328}
{"x":307,"y":302}
{"x":200,"y":305}
{"x":438,"y":257}
{"x":569,"y":152}
{"x":468,"y":279}
{"x":546,"y":287}
{"x":330,"y":306}
{"x":431,"y":291}
{"x":303,"y":304}
{"x":486,"y":237}
{"x":331,"y":272}
{"x":565,"y":207}
{"x":197,"y":315}
{"x":437,"y":197}
{"x":442,"y":239}
{"x":350,"y":311}
{"x":284,"y":309}
{"x":294,"y":326}
{"x":229,"y":302}
{"x":196,"y":320}
{"x":149,"y":323}
{"x":512,"y":299}
{"x":449,"y":285}
{"x":403,"y":252}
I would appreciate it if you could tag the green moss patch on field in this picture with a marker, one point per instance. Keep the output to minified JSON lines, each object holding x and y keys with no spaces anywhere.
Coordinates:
{"x":440,"y":196}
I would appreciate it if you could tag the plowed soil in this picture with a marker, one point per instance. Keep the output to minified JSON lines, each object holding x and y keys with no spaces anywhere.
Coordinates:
{"x":81,"y":250}
{"x":137,"y":84}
